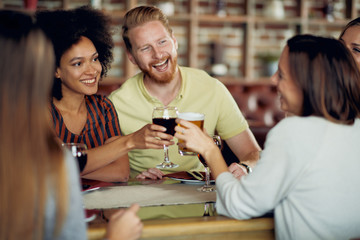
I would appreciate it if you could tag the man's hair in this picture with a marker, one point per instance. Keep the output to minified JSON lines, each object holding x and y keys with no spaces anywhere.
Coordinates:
{"x":140,"y":15}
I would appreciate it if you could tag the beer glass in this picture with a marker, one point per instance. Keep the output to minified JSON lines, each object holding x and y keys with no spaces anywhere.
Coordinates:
{"x":166,"y":116}
{"x":198,"y":120}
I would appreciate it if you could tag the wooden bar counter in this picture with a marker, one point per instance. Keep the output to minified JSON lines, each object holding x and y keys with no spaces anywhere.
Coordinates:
{"x":209,"y":228}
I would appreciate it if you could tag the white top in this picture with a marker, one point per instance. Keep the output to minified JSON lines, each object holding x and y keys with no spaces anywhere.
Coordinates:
{"x":309,"y":173}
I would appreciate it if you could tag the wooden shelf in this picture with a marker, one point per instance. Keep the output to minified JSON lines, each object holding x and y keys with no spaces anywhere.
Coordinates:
{"x":268,"y":20}
{"x":180,"y":17}
{"x":195,"y":21}
{"x":227,"y":19}
{"x":245,"y":27}
{"x":338,"y":23}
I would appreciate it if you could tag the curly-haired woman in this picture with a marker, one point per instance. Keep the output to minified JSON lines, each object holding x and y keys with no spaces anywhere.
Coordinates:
{"x":83,"y":46}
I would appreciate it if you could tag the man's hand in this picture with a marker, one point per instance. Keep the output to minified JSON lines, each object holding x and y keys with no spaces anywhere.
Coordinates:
{"x":151,"y":173}
{"x":237,"y":170}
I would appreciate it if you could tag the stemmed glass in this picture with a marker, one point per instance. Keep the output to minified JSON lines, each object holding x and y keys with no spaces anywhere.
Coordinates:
{"x":79,"y":151}
{"x":207,"y":187}
{"x":166,"y":116}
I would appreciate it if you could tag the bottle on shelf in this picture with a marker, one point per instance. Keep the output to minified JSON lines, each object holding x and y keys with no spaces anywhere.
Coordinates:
{"x":275,"y":9}
{"x":329,"y":10}
{"x":220,"y":8}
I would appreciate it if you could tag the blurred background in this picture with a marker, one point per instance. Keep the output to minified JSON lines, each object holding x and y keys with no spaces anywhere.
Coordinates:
{"x":235,"y":40}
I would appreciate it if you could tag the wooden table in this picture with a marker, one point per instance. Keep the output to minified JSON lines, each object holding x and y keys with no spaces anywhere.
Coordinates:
{"x":209,"y":228}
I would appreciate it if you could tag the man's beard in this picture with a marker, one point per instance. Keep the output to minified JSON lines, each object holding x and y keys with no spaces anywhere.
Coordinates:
{"x":162,"y":78}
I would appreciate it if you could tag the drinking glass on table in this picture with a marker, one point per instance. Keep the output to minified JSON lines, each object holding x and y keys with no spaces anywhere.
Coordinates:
{"x":207,"y":187}
{"x":166,"y":116}
{"x":79,"y":151}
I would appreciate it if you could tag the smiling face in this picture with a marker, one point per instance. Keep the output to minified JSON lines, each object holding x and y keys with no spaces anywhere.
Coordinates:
{"x":291,"y":96}
{"x":154,"y":50}
{"x":351,"y":38}
{"x":80,"y":69}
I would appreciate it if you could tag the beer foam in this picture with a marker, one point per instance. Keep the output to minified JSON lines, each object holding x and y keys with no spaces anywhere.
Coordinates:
{"x":191,"y":116}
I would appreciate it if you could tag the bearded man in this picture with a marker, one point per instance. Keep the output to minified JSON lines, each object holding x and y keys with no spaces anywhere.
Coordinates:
{"x":152,"y":46}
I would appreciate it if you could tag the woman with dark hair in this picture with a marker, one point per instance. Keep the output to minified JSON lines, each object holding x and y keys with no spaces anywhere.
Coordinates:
{"x":351,"y":38}
{"x":83,"y":49}
{"x":40,"y":193}
{"x":308,"y":172}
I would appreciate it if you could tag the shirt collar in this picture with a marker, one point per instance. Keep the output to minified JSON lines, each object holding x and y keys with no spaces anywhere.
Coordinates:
{"x":156,"y":101}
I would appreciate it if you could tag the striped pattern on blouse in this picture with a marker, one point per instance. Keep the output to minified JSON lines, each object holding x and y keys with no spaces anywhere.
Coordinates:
{"x":102,"y":123}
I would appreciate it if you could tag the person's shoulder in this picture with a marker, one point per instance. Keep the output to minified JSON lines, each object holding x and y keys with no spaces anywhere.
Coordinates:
{"x":195,"y":71}
{"x":300,"y":124}
{"x":99,"y":100}
{"x":307,"y":120}
{"x":131,"y":83}
{"x":201,"y":76}
{"x":292,"y":130}
{"x":95,"y":98}
{"x":192,"y":70}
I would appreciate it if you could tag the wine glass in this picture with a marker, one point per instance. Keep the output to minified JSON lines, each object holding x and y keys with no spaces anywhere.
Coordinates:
{"x":166,"y":116}
{"x":79,"y":151}
{"x":207,"y":187}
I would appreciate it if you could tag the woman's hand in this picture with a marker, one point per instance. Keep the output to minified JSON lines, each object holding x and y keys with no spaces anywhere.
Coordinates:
{"x":151,"y":136}
{"x":198,"y":141}
{"x":194,"y":138}
{"x":125,"y":224}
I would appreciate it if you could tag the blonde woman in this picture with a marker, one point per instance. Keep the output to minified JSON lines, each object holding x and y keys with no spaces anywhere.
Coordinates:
{"x":40,"y":194}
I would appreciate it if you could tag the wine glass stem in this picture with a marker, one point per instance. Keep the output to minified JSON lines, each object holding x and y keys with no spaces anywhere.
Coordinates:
{"x":166,"y":154}
{"x":207,"y":176}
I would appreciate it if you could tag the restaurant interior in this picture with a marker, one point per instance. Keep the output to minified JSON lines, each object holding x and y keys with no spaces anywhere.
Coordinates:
{"x":239,"y":43}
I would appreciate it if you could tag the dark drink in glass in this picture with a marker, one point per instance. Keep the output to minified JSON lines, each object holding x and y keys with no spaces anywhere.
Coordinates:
{"x":202,"y":160}
{"x":82,"y":160}
{"x":166,"y":116}
{"x":79,"y":151}
{"x":169,"y":123}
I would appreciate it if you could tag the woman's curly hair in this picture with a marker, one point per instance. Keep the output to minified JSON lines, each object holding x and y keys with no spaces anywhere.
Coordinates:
{"x":66,"y":27}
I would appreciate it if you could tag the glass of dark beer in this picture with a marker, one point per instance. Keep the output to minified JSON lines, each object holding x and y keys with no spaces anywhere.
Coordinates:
{"x":79,"y":151}
{"x":166,"y":116}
